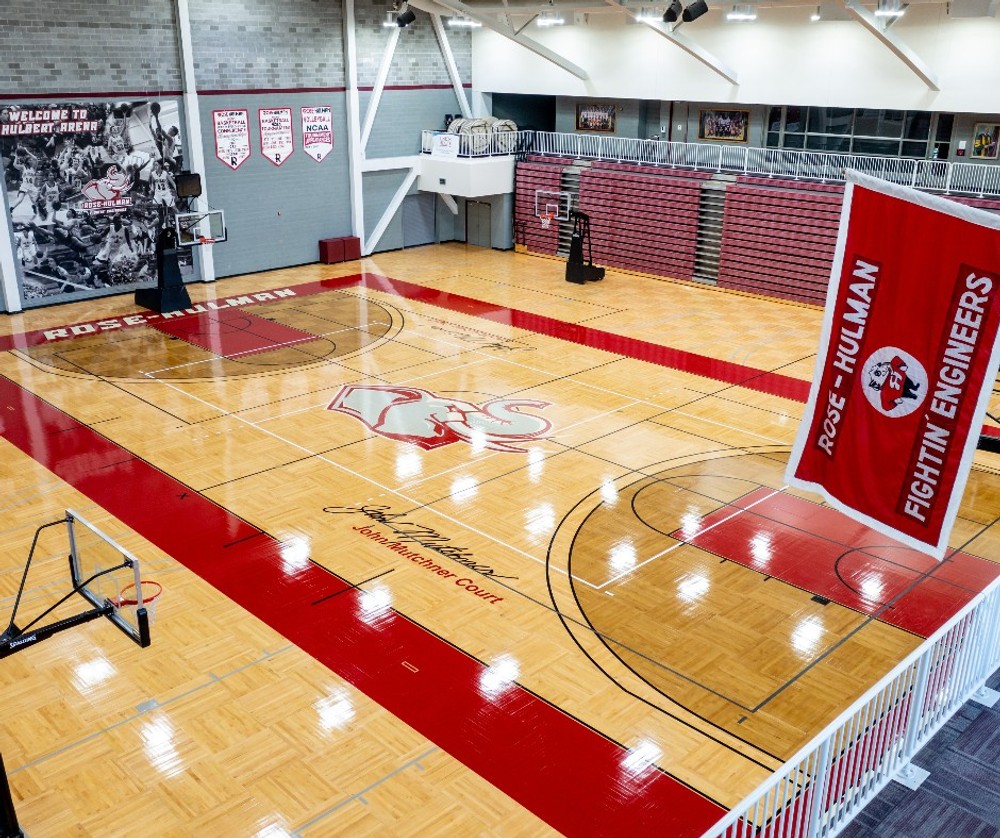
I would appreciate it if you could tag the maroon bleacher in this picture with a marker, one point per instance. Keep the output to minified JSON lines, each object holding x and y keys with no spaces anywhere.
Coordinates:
{"x":778,"y":237}
{"x":642,"y":218}
{"x":529,"y":176}
{"x":778,"y":234}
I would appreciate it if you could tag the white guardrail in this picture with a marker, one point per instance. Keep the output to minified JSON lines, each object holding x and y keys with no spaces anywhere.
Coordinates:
{"x":977,"y":179}
{"x":818,"y":791}
{"x":980,"y":179}
{"x":483,"y":144}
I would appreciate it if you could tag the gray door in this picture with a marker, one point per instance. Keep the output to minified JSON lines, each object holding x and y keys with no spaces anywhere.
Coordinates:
{"x":478,"y":221}
{"x":418,"y":219}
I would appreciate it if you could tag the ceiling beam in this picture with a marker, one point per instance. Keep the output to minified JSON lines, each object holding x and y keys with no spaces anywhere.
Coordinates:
{"x":457,"y":7}
{"x":690,"y":47}
{"x":895,"y":45}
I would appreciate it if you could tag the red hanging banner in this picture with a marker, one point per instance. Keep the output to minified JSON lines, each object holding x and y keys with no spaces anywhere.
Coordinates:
{"x":907,"y":360}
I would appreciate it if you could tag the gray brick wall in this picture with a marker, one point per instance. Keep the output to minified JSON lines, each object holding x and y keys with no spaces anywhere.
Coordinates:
{"x":418,"y":59}
{"x":267,"y":44}
{"x":74,"y":46}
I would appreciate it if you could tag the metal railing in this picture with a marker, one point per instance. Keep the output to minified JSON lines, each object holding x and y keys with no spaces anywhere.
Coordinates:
{"x":982,"y":180}
{"x":486,"y":144}
{"x":818,"y":791}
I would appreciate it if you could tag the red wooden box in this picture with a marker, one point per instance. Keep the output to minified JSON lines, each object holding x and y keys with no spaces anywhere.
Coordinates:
{"x":331,"y":250}
{"x":341,"y":249}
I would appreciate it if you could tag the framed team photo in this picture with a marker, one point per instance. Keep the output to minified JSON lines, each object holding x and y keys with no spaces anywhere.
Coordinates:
{"x":986,"y":141}
{"x":591,"y":117}
{"x":723,"y":126}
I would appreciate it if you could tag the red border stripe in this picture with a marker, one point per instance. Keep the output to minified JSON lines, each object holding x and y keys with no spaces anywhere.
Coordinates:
{"x":565,"y":772}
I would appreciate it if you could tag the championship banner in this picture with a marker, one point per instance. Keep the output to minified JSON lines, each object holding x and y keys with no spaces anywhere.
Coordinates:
{"x":232,"y":136}
{"x":317,"y":131}
{"x":907,"y":359}
{"x":276,"y":140}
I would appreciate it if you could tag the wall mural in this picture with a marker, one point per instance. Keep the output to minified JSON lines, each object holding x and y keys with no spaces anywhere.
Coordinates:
{"x":89,"y":187}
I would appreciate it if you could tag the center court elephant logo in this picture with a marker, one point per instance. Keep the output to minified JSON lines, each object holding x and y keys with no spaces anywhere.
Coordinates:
{"x":411,"y":414}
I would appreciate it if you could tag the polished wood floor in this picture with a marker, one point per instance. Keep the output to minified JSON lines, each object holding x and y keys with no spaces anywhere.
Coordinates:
{"x":449,"y":546}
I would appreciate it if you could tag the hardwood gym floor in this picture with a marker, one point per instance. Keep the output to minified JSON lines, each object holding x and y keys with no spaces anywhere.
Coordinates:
{"x":449,"y":546}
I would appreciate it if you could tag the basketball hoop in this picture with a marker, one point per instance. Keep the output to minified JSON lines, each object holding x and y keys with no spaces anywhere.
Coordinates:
{"x":546,"y":219}
{"x":150,"y":592}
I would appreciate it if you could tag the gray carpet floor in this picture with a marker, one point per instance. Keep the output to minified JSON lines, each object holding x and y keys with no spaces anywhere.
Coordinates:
{"x":960,"y":798}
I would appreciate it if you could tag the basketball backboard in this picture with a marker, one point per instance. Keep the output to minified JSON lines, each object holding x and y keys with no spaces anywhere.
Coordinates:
{"x":553,"y":204}
{"x":105,"y":573}
{"x":200,"y":227}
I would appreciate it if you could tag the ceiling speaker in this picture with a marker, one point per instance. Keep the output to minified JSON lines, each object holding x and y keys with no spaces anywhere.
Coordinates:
{"x":694,"y":10}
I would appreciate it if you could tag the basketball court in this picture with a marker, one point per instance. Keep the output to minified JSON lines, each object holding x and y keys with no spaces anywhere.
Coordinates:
{"x":442,"y":544}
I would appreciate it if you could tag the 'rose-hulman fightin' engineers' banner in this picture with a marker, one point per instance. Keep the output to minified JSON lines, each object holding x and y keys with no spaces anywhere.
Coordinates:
{"x":907,"y":359}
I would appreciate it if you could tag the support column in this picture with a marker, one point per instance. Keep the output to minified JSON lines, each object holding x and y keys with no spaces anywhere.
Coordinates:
{"x":355,"y":150}
{"x":8,"y":260}
{"x":192,"y":123}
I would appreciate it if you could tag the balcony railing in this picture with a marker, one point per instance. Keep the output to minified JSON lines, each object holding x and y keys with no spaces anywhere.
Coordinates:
{"x":492,"y":144}
{"x":982,"y":180}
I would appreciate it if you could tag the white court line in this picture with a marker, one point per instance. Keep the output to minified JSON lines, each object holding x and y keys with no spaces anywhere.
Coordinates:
{"x":631,"y":402}
{"x":673,"y":547}
{"x":360,"y":476}
{"x":216,"y":357}
{"x":729,"y":427}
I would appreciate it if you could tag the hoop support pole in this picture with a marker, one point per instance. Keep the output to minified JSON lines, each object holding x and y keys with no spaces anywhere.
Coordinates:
{"x":9,"y":827}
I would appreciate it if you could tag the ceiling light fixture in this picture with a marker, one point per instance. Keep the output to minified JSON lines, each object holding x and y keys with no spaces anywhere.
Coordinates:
{"x":816,"y":15}
{"x":550,"y":19}
{"x":889,"y":8}
{"x":742,"y":12}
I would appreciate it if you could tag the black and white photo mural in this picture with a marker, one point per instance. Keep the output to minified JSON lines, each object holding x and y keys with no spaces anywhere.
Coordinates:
{"x":89,"y":187}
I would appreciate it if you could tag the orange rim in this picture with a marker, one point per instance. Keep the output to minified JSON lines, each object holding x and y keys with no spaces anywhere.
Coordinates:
{"x":155,"y":590}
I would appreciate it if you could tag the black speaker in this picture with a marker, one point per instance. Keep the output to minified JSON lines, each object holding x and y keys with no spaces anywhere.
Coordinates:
{"x":694,"y":10}
{"x":405,"y":17}
{"x":188,"y":185}
{"x":673,"y":12}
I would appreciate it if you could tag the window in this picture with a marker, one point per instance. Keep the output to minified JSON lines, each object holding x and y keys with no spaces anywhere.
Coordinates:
{"x":875,"y":131}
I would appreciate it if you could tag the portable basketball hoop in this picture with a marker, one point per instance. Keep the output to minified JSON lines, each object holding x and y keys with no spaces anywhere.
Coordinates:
{"x":103,"y":573}
{"x":546,"y":219}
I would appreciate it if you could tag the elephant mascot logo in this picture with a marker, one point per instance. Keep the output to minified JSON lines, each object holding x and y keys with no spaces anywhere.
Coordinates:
{"x":410,"y":414}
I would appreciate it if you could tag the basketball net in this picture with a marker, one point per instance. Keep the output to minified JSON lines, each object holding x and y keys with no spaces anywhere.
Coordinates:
{"x":546,"y":220}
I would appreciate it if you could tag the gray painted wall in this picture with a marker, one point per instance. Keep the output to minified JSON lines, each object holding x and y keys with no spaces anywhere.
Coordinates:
{"x":403,"y":114}
{"x":276,"y":215}
{"x":379,"y":189}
